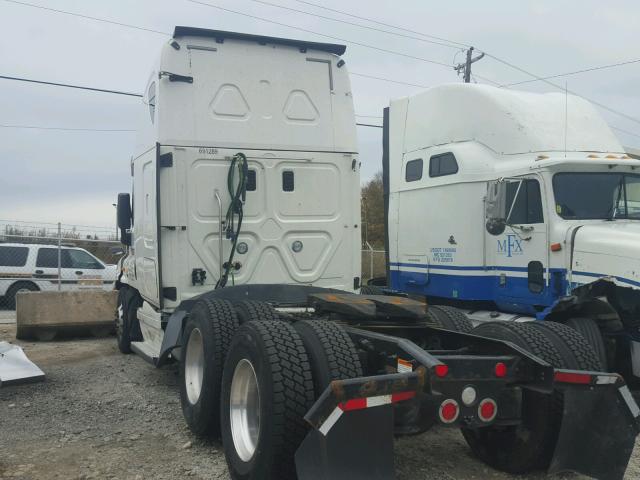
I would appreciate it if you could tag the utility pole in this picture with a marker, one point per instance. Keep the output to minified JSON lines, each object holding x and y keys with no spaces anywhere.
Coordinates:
{"x":466,"y":67}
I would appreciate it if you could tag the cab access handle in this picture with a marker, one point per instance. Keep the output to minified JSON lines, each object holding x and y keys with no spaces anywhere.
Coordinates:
{"x":174,"y":77}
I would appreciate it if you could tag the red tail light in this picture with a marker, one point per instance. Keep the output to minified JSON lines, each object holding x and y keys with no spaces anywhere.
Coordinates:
{"x":449,"y":411}
{"x":441,"y":370}
{"x":571,"y":377}
{"x":487,"y":410}
{"x":500,"y":370}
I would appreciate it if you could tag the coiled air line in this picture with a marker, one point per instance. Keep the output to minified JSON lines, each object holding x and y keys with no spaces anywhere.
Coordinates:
{"x":238,"y":193}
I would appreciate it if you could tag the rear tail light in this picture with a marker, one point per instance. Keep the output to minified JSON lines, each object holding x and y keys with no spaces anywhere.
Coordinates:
{"x":441,"y":370}
{"x":487,"y":410}
{"x":572,"y":377}
{"x":449,"y":411}
{"x":500,"y":370}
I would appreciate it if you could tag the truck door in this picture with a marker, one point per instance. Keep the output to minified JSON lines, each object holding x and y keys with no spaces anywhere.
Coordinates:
{"x":519,"y":253}
{"x":145,"y":244}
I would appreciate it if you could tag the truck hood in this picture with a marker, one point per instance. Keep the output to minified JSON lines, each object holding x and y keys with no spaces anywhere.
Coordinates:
{"x":609,"y":249}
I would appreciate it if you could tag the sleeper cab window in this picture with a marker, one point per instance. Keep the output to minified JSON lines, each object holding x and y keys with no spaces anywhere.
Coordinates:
{"x":443,"y":164}
{"x":413,"y":172}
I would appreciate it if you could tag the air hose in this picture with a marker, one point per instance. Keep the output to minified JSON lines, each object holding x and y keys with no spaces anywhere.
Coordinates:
{"x":233,"y":221}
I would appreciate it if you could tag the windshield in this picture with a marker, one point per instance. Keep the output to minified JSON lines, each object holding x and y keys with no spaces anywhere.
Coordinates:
{"x":585,"y":196}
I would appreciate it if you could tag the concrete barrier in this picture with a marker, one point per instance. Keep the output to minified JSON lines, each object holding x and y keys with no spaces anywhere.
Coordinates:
{"x":43,"y":315}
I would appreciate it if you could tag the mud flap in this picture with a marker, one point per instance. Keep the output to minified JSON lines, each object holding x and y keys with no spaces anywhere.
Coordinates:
{"x":349,"y":445}
{"x":598,"y":431}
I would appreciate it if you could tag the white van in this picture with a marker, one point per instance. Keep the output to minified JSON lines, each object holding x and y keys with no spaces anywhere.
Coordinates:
{"x":34,"y":267}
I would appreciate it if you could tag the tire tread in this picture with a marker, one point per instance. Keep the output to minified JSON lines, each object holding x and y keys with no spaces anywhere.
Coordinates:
{"x":292,"y":390}
{"x":450,"y":318}
{"x":341,"y":355}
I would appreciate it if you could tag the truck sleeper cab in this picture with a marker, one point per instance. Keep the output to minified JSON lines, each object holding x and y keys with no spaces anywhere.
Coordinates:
{"x":534,"y":219}
{"x":247,"y":280}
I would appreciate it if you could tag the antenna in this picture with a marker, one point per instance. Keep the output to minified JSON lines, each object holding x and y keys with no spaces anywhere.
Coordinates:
{"x":566,"y":116}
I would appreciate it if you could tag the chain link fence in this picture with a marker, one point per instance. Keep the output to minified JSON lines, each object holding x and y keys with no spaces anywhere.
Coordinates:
{"x":59,"y":257}
{"x":37,"y":258}
{"x":373,"y":264}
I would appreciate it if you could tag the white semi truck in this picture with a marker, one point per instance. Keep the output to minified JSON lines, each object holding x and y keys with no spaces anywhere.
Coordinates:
{"x":243,"y":256}
{"x":516,"y":206}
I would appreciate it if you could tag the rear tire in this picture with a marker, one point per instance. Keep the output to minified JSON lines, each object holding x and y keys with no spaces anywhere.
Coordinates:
{"x":332,"y":354}
{"x":13,"y":290}
{"x":576,"y":352}
{"x":267,"y":361}
{"x":449,"y":318}
{"x":588,"y":328}
{"x":371,"y":290}
{"x":127,"y":325}
{"x":529,"y":445}
{"x":206,"y":338}
{"x":45,"y":334}
{"x":251,"y":311}
{"x":101,"y":332}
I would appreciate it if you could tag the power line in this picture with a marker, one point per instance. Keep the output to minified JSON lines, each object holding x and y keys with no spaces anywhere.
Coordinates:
{"x":592,"y":69}
{"x":382,"y":79}
{"x":92,"y":89}
{"x":36,"y":127}
{"x":373,"y":47}
{"x":239,"y":13}
{"x":537,"y":78}
{"x":624,"y":131}
{"x":555,"y":85}
{"x":382,"y":23}
{"x":368,"y":125}
{"x":79,"y":87}
{"x":87,"y":17}
{"x":315,"y":15}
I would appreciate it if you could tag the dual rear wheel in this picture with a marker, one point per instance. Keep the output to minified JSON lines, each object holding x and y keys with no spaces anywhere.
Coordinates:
{"x":251,"y":381}
{"x":530,"y":444}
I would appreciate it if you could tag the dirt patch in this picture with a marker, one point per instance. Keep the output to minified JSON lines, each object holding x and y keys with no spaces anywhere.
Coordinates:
{"x":101,"y":414}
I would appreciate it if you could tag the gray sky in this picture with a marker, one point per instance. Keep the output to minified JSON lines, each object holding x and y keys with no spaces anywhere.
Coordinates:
{"x":74,"y":176}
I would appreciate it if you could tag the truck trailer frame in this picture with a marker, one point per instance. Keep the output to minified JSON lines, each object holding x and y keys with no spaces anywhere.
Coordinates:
{"x":414,"y":371}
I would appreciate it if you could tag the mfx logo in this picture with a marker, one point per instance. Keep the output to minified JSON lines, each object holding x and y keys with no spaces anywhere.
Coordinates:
{"x":510,"y":246}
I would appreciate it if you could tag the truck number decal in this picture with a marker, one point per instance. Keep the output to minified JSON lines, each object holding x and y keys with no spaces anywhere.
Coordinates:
{"x":207,"y":151}
{"x":443,"y":255}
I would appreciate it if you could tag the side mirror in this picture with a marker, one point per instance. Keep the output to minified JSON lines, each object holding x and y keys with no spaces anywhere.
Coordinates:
{"x":496,"y":207}
{"x":124,"y":217}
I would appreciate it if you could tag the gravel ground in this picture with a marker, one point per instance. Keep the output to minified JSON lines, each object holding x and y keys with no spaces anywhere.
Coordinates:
{"x":100,"y":414}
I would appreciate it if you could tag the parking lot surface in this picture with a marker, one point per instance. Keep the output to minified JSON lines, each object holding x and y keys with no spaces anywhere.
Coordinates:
{"x":100,"y":414}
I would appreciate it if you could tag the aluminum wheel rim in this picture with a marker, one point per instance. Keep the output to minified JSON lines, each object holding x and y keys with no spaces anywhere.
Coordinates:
{"x":244,"y":409}
{"x":194,"y":366}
